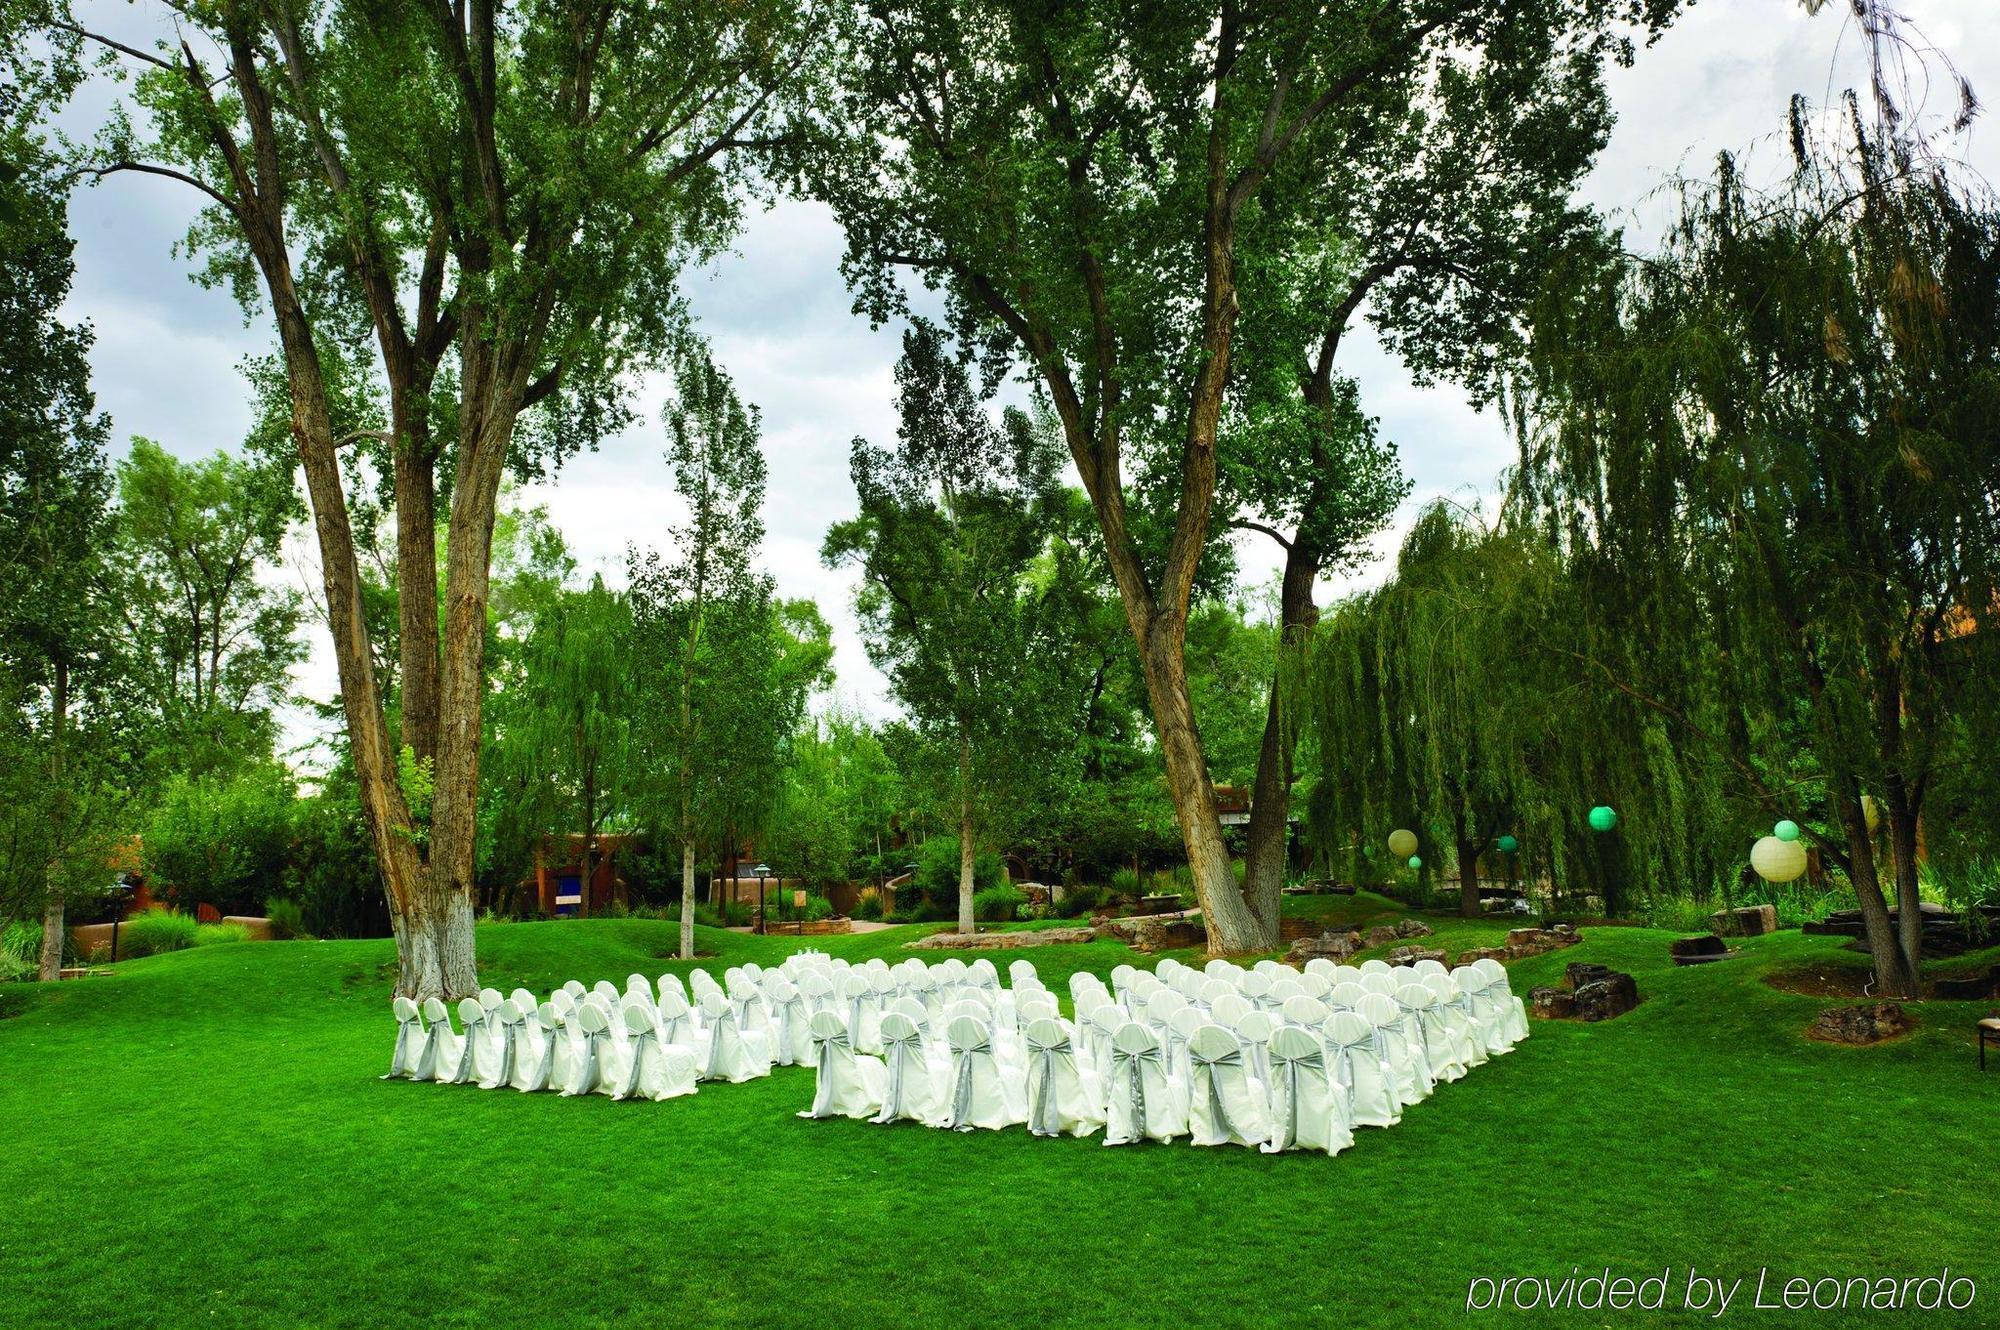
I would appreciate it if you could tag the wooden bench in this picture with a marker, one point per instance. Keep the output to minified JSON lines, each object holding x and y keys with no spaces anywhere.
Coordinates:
{"x":1989,"y":1033}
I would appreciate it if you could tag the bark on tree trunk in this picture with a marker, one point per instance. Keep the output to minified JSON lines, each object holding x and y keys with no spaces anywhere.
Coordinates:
{"x":1893,"y":971}
{"x":687,"y":899}
{"x":1232,"y":928}
{"x":1266,"y":838}
{"x":1902,"y":819}
{"x":1468,"y":879}
{"x":53,"y":928}
{"x":965,"y":883}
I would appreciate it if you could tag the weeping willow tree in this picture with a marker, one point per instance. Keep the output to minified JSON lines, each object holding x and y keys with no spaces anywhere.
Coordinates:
{"x":1451,"y":701}
{"x":1767,"y":453}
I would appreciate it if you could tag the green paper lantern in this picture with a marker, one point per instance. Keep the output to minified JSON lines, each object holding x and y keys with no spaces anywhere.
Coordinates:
{"x":1786,"y":830}
{"x":1416,"y":862}
{"x":1508,"y":845}
{"x":1603,"y":818}
{"x":1402,"y":842}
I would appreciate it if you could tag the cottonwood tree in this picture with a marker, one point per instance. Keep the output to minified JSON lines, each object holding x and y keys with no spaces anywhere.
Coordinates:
{"x":1091,"y":185}
{"x":951,"y":522}
{"x":500,"y":202}
{"x":214,"y":635}
{"x":1769,"y":447}
{"x":721,"y":683}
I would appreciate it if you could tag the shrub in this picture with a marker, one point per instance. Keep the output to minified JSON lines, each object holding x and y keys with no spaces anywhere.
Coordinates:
{"x":937,"y":868}
{"x":207,"y":933}
{"x":287,"y":919}
{"x":1078,"y":901}
{"x":1127,"y":883}
{"x":226,"y":842}
{"x":20,"y":951}
{"x":818,"y":907}
{"x":154,"y":931}
{"x":868,"y":905}
{"x":997,"y":905}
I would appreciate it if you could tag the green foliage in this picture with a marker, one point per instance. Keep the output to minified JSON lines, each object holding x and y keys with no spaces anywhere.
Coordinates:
{"x":868,"y":904}
{"x":20,"y":951}
{"x":937,"y":869}
{"x":1127,"y":884}
{"x":207,"y":933}
{"x":998,"y":905}
{"x":151,"y":932}
{"x":333,"y":874}
{"x":288,"y":921}
{"x":817,"y":907}
{"x":1079,"y":900}
{"x":221,"y":841}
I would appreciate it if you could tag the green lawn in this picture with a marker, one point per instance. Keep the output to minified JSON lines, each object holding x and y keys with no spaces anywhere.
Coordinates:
{"x":201,"y":1138}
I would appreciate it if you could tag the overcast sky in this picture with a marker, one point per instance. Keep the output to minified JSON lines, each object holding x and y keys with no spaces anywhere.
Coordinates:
{"x":167,"y":353}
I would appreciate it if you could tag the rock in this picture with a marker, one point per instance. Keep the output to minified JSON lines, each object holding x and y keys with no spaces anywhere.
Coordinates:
{"x":1031,"y":937}
{"x":1602,"y":999}
{"x":1382,"y":935}
{"x":1524,"y":942}
{"x":1830,"y":928}
{"x":1482,"y":954}
{"x":1336,"y":947}
{"x":1971,"y":988}
{"x":1552,"y":1004}
{"x":1154,"y":932}
{"x":1865,"y":1023}
{"x":1747,"y":921}
{"x":1037,"y":892}
{"x":1698,"y":950}
{"x":1578,"y":973}
{"x":1412,"y":928}
{"x":1411,"y":955}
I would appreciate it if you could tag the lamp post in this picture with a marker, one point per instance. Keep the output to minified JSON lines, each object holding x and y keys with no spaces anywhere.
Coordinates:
{"x":762,"y":870}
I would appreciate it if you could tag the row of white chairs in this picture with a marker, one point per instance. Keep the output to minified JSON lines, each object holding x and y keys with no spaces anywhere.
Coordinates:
{"x":1222,"y":1055}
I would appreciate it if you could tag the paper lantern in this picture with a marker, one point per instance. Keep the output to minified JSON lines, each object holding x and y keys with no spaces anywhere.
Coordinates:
{"x":1416,"y":862}
{"x":1402,"y":843}
{"x":1786,"y":830}
{"x":1603,"y":818}
{"x":1872,"y":812}
{"x":1508,"y":845}
{"x":1778,"y":860}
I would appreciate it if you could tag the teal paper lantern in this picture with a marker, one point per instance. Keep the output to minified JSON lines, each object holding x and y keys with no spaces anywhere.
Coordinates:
{"x":1416,"y":861}
{"x":1786,"y":830}
{"x":1603,"y":818}
{"x":1508,"y":845}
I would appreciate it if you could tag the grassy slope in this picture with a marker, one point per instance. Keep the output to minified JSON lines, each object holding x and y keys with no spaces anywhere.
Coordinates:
{"x":227,"y":1156}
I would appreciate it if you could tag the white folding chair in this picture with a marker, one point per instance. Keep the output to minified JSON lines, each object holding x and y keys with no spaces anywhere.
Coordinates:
{"x":1061,"y":1098}
{"x":979,"y":1097}
{"x":1224,"y":1105}
{"x":734,"y":1054}
{"x":410,"y":1040}
{"x":1375,"y":965}
{"x":653,"y":1070}
{"x":1402,"y":1046}
{"x":1254,"y":1030}
{"x":551,"y":1066}
{"x":910,"y":1087}
{"x":1442,"y":1050}
{"x":474,"y":1046}
{"x":1354,"y":1049}
{"x":1309,"y":1109}
{"x":1142,"y":1102}
{"x":1513,"y":1013}
{"x":587,"y":1076}
{"x":846,"y":1084}
{"x":511,"y":1021}
{"x":1346,"y":996}
{"x":1460,"y":1018}
{"x":791,"y":1031}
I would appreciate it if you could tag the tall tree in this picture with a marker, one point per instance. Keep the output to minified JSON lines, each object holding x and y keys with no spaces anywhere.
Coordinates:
{"x":54,"y":488}
{"x":1770,"y":446}
{"x":215,"y":636}
{"x":501,"y":202}
{"x":950,"y":524}
{"x":718,"y":690}
{"x":1090,"y":184}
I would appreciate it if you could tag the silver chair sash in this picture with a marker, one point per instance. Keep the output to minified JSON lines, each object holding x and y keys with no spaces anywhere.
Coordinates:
{"x":545,"y":1068}
{"x":1122,"y":1062}
{"x":508,"y":1034}
{"x":1046,"y":1119}
{"x":897,"y":1052}
{"x":633,"y":1072}
{"x":587,"y":1074}
{"x":1217,"y":1109}
{"x":823,"y":1046}
{"x":961,"y":1089}
{"x":475,"y":1030}
{"x":1285,"y":1132}
{"x":400,"y":1061}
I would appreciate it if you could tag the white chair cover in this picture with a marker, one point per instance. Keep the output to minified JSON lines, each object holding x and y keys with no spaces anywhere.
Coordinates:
{"x":1142,"y":1103}
{"x":594,"y":1030}
{"x":1224,"y":1101}
{"x":441,"y":1047}
{"x":1401,"y":1044}
{"x":410,"y":1040}
{"x":1254,"y":1030}
{"x":863,"y":1009}
{"x":791,"y":1029}
{"x":1354,"y":1048}
{"x":979,"y":1096}
{"x":1461,"y":1020}
{"x":654,"y":1070}
{"x":911,"y":1086}
{"x":1309,"y":1109}
{"x":734,"y":1054}
{"x":552,"y":1064}
{"x":511,"y":1020}
{"x":845,"y":1084}
{"x":1060,"y":1096}
{"x":1442,"y":1050}
{"x":475,"y":1049}
{"x":1513,"y":1013}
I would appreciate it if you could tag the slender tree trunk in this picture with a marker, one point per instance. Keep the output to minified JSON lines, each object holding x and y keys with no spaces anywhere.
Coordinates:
{"x":1902,"y":821}
{"x":966,"y":924}
{"x":53,"y":908}
{"x":1267,"y":836}
{"x":1468,"y":877}
{"x":687,"y":893}
{"x":589,"y":822}
{"x":1893,"y":973}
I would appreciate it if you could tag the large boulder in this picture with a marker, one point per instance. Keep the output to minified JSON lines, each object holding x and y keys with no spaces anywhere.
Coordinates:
{"x":1865,"y":1023}
{"x":1746,"y":921}
{"x":1152,"y":932}
{"x":1552,"y":1004}
{"x":1032,"y":937}
{"x":1335,"y":947}
{"x":1525,"y":942}
{"x":1411,"y":955}
{"x":1483,"y":954}
{"x":1601,"y":999}
{"x":1412,"y":928}
{"x":1382,"y":935}
{"x":1698,"y":950}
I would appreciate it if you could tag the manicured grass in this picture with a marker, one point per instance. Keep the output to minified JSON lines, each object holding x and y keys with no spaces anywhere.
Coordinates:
{"x":201,"y":1138}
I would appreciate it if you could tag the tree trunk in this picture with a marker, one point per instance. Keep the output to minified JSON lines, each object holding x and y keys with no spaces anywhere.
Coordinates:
{"x":1468,"y":879}
{"x":1893,"y":972}
{"x":53,"y":928}
{"x":1902,"y":821}
{"x":966,"y":924}
{"x":1267,"y":836}
{"x":687,"y":899}
{"x":1232,"y":928}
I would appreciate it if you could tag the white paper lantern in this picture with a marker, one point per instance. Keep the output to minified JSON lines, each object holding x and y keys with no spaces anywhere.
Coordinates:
{"x":1402,"y":843}
{"x":1778,"y":860}
{"x":1871,"y":813}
